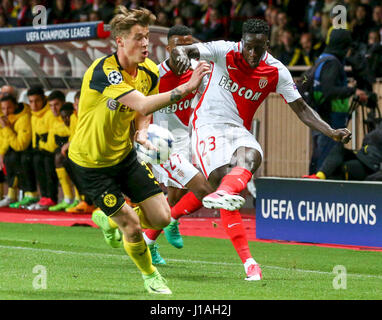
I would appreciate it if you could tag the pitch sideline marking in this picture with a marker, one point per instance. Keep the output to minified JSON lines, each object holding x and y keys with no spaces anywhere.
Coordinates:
{"x":185,"y":261}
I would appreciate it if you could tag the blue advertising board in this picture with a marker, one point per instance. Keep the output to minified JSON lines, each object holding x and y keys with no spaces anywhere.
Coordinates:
{"x":53,"y":33}
{"x":319,"y":211}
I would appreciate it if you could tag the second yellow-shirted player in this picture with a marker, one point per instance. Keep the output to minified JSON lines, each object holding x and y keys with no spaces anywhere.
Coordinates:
{"x":59,"y":136}
{"x":117,"y":90}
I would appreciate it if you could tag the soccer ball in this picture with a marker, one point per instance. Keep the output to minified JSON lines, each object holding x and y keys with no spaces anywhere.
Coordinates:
{"x":162,"y":139}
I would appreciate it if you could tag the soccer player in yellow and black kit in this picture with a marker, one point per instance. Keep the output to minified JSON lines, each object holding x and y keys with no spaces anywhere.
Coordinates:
{"x":117,"y":90}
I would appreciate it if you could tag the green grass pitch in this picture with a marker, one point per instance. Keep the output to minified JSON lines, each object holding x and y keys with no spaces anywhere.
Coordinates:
{"x":79,"y":265}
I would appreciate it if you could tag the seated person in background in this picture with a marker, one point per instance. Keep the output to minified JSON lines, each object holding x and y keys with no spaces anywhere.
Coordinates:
{"x":61,"y":134}
{"x":308,"y":53}
{"x":48,"y":146}
{"x":4,"y":90}
{"x":8,"y":90}
{"x":345,"y":164}
{"x":15,"y":145}
{"x":39,"y":123}
{"x":39,"y":111}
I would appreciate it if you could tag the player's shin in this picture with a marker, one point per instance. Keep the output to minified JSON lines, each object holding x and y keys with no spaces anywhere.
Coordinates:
{"x":235,"y":181}
{"x":188,"y":204}
{"x":140,"y":254}
{"x":151,"y":235}
{"x":233,"y":225}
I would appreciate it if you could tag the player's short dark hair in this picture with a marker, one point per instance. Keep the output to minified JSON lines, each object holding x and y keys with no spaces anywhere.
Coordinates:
{"x":179,"y":30}
{"x":67,"y":106}
{"x":257,"y":26}
{"x":9,"y":97}
{"x":56,"y":94}
{"x":36,"y":90}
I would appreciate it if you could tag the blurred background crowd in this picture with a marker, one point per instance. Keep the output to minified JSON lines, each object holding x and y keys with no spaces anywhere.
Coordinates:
{"x":299,"y":28}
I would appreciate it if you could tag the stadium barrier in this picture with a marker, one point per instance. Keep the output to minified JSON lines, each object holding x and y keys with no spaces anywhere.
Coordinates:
{"x":319,"y":211}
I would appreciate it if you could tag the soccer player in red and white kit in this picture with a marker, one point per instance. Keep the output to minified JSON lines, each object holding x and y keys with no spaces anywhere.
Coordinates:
{"x":243,"y":75}
{"x":185,"y":184}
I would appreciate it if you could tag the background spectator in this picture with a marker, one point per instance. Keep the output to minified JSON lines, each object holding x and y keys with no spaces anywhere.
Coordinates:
{"x":60,"y":12}
{"x":286,"y":50}
{"x":94,"y":16}
{"x":81,"y":10}
{"x":377,"y":17}
{"x":214,"y":29}
{"x":281,"y":24}
{"x":104,"y":8}
{"x":374,"y":54}
{"x":162,"y":19}
{"x":241,"y":10}
{"x":315,"y":27}
{"x":362,"y":23}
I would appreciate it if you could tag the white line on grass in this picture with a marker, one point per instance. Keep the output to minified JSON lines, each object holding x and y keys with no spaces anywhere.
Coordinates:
{"x":184,"y":261}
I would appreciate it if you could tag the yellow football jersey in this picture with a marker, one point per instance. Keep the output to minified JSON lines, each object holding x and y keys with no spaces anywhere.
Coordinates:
{"x":40,"y":127}
{"x":102,"y":136}
{"x":18,"y":135}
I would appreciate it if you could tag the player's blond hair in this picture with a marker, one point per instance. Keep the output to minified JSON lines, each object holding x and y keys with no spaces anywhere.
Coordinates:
{"x":125,"y":19}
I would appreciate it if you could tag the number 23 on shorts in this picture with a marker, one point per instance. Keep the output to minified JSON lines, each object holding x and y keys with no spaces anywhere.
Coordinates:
{"x":207,"y":145}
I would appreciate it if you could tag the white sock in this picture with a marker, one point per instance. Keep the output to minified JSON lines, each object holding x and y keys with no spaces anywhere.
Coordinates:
{"x":148,"y":240}
{"x":248,"y":262}
{"x":68,"y":200}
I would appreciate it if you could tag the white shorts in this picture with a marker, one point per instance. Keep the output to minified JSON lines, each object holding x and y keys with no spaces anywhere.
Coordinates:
{"x":214,"y":145}
{"x":178,"y":170}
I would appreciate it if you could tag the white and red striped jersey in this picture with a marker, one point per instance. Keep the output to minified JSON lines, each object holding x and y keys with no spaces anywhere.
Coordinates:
{"x":235,"y":90}
{"x":176,"y":115}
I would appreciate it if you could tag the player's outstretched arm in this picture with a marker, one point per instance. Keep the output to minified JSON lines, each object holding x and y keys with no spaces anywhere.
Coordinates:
{"x":312,"y":119}
{"x":149,"y":104}
{"x":182,"y":56}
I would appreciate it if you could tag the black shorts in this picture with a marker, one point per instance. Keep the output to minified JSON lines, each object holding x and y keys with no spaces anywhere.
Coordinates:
{"x":107,"y":186}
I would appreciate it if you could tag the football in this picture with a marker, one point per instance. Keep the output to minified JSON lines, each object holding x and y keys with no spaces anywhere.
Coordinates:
{"x":162,"y":139}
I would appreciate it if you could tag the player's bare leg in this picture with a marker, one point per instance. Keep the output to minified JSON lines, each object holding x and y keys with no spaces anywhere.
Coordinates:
{"x":129,"y":222}
{"x":232,"y":179}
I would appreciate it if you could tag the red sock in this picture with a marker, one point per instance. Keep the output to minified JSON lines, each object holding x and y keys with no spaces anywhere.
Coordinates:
{"x":152,"y":234}
{"x":233,"y":226}
{"x":188,"y":204}
{"x":235,"y":181}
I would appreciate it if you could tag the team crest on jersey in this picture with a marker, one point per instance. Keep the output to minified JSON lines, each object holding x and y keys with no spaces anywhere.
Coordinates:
{"x":115,"y":77}
{"x":263,"y":82}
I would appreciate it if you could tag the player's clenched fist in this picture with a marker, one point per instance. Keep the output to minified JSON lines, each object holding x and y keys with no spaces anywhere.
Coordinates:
{"x":341,"y":135}
{"x":202,"y":69}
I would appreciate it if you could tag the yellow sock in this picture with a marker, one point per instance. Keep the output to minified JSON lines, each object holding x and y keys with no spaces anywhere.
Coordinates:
{"x":112,"y":223}
{"x":12,"y":193}
{"x":31,"y":194}
{"x":66,"y":183}
{"x":77,"y":195}
{"x":321,"y":175}
{"x":140,"y":254}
